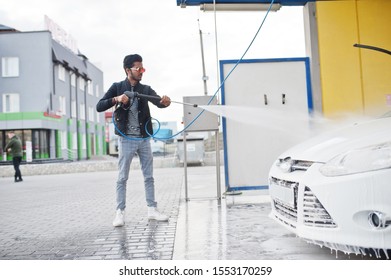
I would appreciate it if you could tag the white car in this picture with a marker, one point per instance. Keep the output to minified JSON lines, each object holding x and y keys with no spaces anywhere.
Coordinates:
{"x":334,"y":190}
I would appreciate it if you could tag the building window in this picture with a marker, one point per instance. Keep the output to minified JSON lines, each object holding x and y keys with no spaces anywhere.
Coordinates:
{"x":82,"y":111}
{"x":81,"y":84}
{"x":97,"y":117}
{"x":90,"y":88}
{"x":11,"y":103}
{"x":40,"y":139}
{"x":97,"y":93}
{"x":10,"y":66}
{"x":91,"y":113}
{"x":61,"y":73}
{"x":73,"y":109}
{"x":63,"y":105}
{"x":73,"y":80}
{"x":64,"y":143}
{"x":83,"y":141}
{"x":74,"y":140}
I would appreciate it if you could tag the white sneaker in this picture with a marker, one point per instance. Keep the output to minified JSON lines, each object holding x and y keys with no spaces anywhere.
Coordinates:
{"x":119,"y":220}
{"x":153,"y":214}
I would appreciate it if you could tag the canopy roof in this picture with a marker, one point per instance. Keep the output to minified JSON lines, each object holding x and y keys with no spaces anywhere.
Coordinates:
{"x":281,"y":2}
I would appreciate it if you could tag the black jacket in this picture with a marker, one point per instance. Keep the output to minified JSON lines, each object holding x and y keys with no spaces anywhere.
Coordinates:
{"x":121,"y":115}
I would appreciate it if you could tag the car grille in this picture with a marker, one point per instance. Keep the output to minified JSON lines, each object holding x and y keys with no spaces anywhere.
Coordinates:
{"x":301,"y":165}
{"x":314,"y":214}
{"x":290,"y":165}
{"x":289,"y":212}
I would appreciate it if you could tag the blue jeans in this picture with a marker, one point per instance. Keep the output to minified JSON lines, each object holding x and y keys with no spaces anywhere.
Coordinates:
{"x":127,"y":149}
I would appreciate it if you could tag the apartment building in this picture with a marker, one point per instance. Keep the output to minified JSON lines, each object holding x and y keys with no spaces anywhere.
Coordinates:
{"x":48,"y":94}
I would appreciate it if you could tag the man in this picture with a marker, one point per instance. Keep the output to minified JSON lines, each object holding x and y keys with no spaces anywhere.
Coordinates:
{"x":133,"y":124}
{"x":14,"y":146}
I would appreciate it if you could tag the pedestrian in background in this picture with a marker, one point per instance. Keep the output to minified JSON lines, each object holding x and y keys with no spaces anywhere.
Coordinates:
{"x":133,"y":123}
{"x":14,"y":147}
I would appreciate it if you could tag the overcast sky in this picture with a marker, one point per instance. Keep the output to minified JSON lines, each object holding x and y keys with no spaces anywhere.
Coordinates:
{"x":167,"y":37}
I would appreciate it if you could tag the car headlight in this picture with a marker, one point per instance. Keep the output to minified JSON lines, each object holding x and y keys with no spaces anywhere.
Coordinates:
{"x":360,"y":160}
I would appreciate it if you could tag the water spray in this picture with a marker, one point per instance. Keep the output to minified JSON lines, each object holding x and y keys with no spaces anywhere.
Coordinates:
{"x":132,"y":94}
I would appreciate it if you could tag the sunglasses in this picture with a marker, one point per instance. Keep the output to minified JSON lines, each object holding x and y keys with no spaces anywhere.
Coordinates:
{"x":139,"y":69}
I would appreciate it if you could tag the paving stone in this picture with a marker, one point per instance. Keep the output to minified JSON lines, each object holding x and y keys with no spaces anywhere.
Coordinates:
{"x":69,"y":216}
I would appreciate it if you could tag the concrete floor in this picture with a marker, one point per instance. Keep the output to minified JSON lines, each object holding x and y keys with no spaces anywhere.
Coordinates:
{"x":237,"y":228}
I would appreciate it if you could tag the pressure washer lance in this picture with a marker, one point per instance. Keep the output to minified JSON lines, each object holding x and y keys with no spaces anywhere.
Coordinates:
{"x":132,"y":94}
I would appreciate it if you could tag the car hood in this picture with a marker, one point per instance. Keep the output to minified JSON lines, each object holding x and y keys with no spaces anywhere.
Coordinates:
{"x":324,"y":147}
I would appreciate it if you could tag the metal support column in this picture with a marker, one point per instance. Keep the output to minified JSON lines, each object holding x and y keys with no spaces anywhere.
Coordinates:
{"x":185,"y":165}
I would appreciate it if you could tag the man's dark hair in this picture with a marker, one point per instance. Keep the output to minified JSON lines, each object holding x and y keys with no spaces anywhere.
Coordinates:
{"x":130,"y":59}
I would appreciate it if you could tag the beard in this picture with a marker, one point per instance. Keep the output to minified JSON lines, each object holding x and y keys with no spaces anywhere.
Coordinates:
{"x":136,"y":78}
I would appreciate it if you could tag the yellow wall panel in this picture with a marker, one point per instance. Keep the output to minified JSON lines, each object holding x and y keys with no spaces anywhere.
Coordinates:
{"x":339,"y":60}
{"x":354,"y":79}
{"x":374,"y":21}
